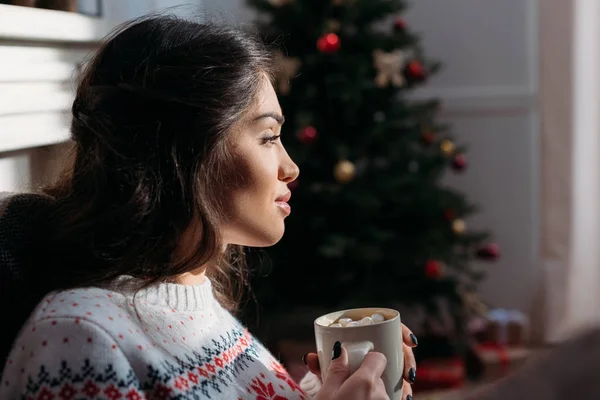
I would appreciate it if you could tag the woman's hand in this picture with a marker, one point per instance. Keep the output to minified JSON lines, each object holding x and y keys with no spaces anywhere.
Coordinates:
{"x":364,"y":384}
{"x":410,"y":366}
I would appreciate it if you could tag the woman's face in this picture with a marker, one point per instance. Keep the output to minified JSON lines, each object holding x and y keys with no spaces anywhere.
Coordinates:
{"x":256,"y":204}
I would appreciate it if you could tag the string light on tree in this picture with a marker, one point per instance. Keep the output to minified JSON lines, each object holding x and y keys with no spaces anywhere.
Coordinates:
{"x":329,"y":43}
{"x":459,"y":163}
{"x":434,"y":269}
{"x":459,"y":226}
{"x":389,"y":68}
{"x":308,"y":134}
{"x":344,"y":171}
{"x":447,"y":147}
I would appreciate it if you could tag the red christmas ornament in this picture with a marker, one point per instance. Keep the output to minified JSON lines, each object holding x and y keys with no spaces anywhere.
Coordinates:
{"x":415,"y":71}
{"x":329,"y":43}
{"x":489,"y":252}
{"x":307,"y":134}
{"x":459,"y":162}
{"x":449,"y":214}
{"x":400,"y":24}
{"x":433,"y":269}
{"x":428,"y":137}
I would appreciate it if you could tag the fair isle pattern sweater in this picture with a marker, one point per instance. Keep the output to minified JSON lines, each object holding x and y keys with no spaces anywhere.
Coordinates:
{"x":168,"y":342}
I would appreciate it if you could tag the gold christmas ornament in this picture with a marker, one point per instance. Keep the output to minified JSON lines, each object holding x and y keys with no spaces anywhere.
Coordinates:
{"x":285,"y":69}
{"x":459,"y":226}
{"x":344,"y":171}
{"x":389,"y":67}
{"x":279,"y":3}
{"x":447,"y":147}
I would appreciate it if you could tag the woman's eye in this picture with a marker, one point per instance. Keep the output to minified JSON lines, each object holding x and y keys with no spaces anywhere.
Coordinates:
{"x":271,"y":139}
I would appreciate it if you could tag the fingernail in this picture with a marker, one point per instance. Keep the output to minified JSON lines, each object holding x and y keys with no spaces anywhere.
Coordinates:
{"x":414,"y":339}
{"x":412,"y":375}
{"x":337,"y":350}
{"x":304,"y":358}
{"x":408,"y":397}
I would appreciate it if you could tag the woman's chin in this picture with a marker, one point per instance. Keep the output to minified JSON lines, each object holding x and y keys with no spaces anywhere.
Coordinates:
{"x":264,"y":238}
{"x":268,"y":241}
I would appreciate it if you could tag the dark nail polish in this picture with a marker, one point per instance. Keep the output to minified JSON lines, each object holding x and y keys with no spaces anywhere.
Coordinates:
{"x":304,"y":358}
{"x":337,"y":350}
{"x":408,"y":397}
{"x":414,"y":339}
{"x":412,"y":375}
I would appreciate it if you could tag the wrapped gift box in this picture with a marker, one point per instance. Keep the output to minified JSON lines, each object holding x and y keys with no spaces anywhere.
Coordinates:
{"x":444,"y":373}
{"x":500,"y":360}
{"x":507,"y":327}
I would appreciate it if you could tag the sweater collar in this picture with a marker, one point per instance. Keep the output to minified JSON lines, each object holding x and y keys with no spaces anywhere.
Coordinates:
{"x":177,"y":296}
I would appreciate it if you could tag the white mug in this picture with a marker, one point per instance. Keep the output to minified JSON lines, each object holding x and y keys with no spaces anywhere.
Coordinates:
{"x":383,"y":337}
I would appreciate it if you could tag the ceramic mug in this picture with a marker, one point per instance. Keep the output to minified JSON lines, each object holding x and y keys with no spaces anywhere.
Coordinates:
{"x":383,"y":337}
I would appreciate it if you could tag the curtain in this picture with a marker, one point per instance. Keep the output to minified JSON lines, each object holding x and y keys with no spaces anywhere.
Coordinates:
{"x":570,"y":207}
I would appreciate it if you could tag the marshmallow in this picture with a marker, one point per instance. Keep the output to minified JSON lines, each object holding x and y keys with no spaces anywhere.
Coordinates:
{"x":377,"y":317}
{"x":353,"y":323}
{"x":335,"y":325}
{"x":345,"y":321}
{"x":366,"y":321}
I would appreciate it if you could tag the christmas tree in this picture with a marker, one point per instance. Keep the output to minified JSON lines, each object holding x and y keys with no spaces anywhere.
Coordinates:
{"x":372,"y":222}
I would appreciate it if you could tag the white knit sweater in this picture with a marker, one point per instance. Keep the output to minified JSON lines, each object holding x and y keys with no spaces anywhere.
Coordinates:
{"x":168,"y":342}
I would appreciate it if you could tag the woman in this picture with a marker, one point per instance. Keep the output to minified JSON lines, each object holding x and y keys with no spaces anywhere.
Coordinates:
{"x":178,"y":163}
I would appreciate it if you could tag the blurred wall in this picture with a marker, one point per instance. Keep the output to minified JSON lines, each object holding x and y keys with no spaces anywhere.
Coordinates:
{"x":489,"y":86}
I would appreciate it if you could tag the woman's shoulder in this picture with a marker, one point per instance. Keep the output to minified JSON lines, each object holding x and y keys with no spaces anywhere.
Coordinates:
{"x":94,"y":305}
{"x":76,"y":312}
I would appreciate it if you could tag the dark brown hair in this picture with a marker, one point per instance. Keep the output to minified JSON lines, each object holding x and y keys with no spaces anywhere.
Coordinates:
{"x":150,"y":119}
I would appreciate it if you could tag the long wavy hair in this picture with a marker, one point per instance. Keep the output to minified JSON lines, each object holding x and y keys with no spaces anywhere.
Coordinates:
{"x":151,"y":116}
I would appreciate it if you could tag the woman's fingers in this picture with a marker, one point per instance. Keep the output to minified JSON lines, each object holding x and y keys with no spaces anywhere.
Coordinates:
{"x":408,"y":337}
{"x":406,"y":391}
{"x":410,"y":365}
{"x":311,"y":360}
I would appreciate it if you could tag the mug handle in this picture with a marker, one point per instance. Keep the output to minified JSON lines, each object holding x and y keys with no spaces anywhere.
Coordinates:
{"x":357,"y":351}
